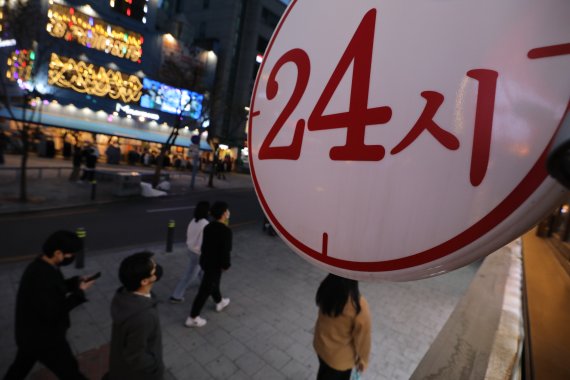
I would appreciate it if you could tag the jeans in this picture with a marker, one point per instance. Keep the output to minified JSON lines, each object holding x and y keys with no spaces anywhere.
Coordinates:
{"x":192,"y":271}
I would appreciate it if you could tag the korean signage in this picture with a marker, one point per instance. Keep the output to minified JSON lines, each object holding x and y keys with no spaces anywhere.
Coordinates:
{"x":95,"y":80}
{"x":127,"y":110}
{"x":74,"y":26}
{"x":399,"y":140}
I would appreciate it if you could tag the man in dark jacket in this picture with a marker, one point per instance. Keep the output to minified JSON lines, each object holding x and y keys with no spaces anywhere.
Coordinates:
{"x":215,"y":258}
{"x":136,"y":339}
{"x":42,"y":310}
{"x":90,"y":155}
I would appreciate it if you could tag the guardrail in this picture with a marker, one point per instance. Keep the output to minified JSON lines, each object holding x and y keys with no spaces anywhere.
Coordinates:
{"x":482,"y":339}
{"x":37,"y":172}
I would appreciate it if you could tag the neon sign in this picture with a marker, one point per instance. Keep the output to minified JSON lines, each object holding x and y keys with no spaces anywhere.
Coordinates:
{"x":71,"y":25}
{"x":95,"y":80}
{"x":20,"y":64}
{"x":137,"y":113}
{"x":6,"y":43}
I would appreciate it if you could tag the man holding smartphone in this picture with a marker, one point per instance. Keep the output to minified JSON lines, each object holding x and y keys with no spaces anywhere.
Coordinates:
{"x":43,"y":304}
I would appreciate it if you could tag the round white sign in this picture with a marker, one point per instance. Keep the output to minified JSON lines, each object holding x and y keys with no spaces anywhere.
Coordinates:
{"x":398,"y":139}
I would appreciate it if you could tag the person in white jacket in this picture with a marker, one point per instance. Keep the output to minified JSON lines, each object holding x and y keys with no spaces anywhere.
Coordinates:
{"x":194,"y":236}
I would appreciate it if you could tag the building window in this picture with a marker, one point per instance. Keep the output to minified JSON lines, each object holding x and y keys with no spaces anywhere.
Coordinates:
{"x":269,"y":18}
{"x":261,"y":45}
{"x":202,"y":30}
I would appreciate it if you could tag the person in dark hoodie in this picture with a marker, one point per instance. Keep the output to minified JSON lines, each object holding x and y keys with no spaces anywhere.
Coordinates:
{"x":43,"y":304}
{"x":136,"y":338}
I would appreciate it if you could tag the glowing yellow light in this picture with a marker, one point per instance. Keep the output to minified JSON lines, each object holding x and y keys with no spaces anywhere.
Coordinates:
{"x":93,"y":80}
{"x":20,"y":64}
{"x":94,"y":33}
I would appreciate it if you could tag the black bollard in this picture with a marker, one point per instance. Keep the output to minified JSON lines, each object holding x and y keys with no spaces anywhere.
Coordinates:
{"x":80,"y":256}
{"x":170,"y":235}
{"x":93,"y":189}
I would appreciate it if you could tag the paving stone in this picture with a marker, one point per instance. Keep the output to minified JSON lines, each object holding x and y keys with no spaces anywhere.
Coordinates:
{"x":268,"y":372}
{"x":221,"y":368}
{"x":276,"y":358}
{"x":233,"y":349}
{"x":266,"y":333}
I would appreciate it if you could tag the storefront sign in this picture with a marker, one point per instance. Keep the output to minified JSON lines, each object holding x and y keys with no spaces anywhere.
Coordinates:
{"x":72,"y":25}
{"x":6,"y":43}
{"x":20,"y":65}
{"x":136,"y":113}
{"x":400,"y":140}
{"x":90,"y":79}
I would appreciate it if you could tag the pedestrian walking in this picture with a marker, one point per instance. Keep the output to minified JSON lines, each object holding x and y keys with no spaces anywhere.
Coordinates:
{"x":214,"y":259}
{"x":43,"y":303}
{"x":220,"y":169}
{"x":194,"y":237}
{"x":228,"y":163}
{"x":77,"y":159}
{"x":195,"y":154}
{"x":136,"y":338}
{"x":4,"y":140}
{"x":91,"y":154}
{"x":343,"y":330}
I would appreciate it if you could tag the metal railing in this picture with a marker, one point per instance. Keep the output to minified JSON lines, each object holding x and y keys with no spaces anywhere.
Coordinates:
{"x":37,"y":172}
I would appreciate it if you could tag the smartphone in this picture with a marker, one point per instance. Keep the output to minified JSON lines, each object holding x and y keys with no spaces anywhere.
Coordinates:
{"x":94,"y":277}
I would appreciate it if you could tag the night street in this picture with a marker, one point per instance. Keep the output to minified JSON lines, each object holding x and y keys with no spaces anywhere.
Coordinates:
{"x":381,"y":188}
{"x":121,"y":224}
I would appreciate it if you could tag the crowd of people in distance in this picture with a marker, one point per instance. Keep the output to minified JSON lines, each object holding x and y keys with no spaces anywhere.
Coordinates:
{"x":342,"y":334}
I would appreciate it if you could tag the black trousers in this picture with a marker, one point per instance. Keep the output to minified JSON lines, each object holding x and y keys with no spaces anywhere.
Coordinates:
{"x":328,"y":373}
{"x":59,"y":359}
{"x":210,"y":286}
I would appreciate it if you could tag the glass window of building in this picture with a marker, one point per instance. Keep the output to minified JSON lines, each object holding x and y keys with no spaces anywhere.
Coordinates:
{"x":269,"y":18}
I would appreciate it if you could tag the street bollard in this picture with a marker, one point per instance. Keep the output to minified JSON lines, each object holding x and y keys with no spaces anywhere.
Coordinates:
{"x":170,"y":235}
{"x":93,"y":189}
{"x":80,"y":256}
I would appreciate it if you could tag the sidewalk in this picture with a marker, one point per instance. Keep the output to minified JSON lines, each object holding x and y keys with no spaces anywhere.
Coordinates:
{"x":53,"y":190}
{"x":265,"y":333}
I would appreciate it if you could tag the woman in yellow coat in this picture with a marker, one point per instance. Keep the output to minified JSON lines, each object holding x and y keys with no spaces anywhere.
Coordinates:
{"x":343,"y":329}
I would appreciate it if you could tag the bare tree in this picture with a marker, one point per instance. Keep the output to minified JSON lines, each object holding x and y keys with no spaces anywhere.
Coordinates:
{"x":179,"y":75}
{"x":20,"y":22}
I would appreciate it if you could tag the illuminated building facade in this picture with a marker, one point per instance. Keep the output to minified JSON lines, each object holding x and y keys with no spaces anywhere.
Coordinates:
{"x":238,"y":31}
{"x":94,"y":68}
